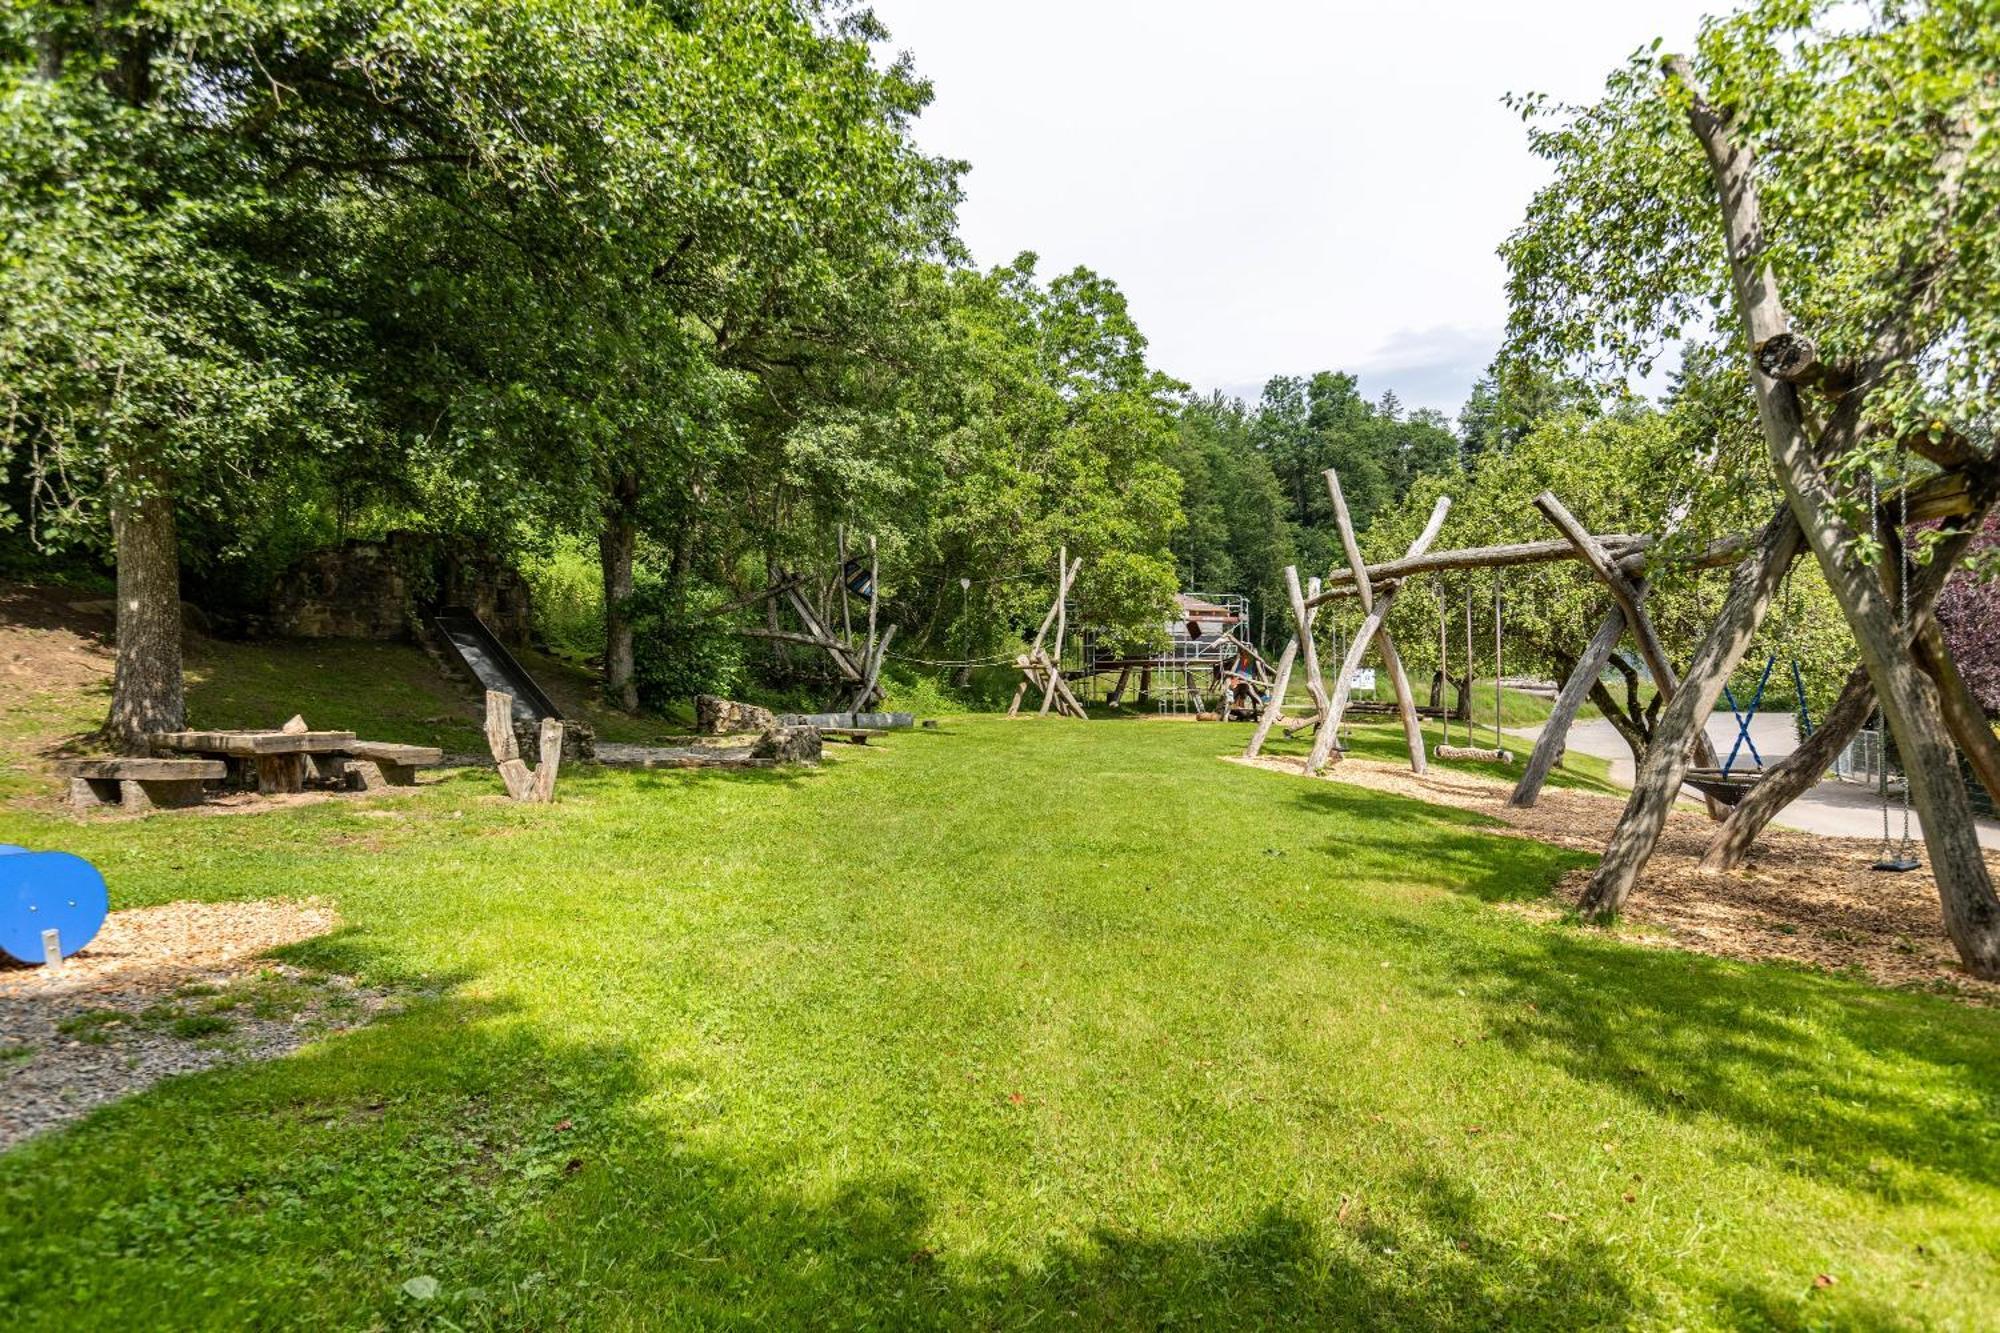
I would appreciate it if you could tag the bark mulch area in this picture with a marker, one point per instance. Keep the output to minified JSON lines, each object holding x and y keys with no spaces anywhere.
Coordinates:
{"x":1802,"y":898}
{"x":163,"y":991}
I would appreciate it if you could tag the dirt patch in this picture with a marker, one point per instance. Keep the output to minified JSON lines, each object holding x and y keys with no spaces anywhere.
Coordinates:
{"x":56,"y":660}
{"x":163,"y":991}
{"x":1803,"y":898}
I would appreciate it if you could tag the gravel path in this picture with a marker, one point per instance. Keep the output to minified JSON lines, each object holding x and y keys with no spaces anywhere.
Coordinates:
{"x":163,"y":991}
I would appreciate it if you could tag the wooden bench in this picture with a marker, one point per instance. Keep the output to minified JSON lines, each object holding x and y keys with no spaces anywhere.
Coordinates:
{"x":138,"y":784}
{"x":374,"y":765}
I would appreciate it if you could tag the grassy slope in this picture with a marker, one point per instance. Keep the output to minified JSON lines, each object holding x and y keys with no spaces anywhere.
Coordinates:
{"x":59,"y":691}
{"x":1000,"y":1026}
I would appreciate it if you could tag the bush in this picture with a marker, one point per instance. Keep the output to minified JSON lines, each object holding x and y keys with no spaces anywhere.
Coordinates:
{"x":677,"y":652}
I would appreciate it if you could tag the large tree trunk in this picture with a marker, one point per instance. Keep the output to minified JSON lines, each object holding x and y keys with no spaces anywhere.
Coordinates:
{"x":1908,"y":698}
{"x":1793,"y":776}
{"x":616,"y":545}
{"x":147,"y":686}
{"x":1664,"y":765}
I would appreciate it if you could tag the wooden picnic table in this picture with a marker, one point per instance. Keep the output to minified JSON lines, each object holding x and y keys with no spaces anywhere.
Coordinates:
{"x":280,"y":760}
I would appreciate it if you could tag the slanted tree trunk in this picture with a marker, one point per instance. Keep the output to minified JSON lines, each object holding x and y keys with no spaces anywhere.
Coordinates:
{"x":1793,"y":776}
{"x":1908,"y":698}
{"x":1664,"y":764}
{"x":147,"y":689}
{"x":617,"y":543}
{"x":1583,"y":674}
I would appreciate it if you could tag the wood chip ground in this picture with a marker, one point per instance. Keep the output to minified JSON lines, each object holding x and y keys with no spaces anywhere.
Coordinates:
{"x":1801,"y":898}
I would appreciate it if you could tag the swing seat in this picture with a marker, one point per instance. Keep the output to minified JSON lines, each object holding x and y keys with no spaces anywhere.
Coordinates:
{"x":1727,"y":786}
{"x":1473,"y":752}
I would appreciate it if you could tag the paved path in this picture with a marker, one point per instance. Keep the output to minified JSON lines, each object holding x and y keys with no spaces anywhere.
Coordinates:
{"x":1835,"y":809}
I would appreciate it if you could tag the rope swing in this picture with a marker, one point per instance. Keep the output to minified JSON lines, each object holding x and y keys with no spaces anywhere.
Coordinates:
{"x":1901,"y":857}
{"x":1498,"y":754}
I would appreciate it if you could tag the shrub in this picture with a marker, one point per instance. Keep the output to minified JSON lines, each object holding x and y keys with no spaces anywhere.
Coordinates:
{"x":677,"y":652}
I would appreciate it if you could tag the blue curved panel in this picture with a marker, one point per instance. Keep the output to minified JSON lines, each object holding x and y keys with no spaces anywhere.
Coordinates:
{"x":48,"y":891}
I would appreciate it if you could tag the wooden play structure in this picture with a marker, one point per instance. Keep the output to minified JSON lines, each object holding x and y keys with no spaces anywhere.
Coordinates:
{"x":857,"y":660}
{"x":1204,"y":666}
{"x":1042,"y":668}
{"x":1617,"y":560}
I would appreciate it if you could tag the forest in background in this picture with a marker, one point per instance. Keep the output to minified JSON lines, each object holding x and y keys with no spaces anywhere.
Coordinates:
{"x":653,"y":300}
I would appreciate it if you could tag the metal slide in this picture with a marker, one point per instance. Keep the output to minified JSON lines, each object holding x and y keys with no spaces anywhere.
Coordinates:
{"x":491,"y":664}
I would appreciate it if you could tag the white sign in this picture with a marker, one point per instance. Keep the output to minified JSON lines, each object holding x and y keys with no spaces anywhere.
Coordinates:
{"x":1363,"y":681}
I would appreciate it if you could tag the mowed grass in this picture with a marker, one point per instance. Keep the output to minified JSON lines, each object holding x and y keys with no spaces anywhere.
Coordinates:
{"x":1031,"y":1024}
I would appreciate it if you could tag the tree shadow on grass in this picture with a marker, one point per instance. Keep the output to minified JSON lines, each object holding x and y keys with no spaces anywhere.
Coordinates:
{"x":1877,"y":1091}
{"x":461,"y":1166}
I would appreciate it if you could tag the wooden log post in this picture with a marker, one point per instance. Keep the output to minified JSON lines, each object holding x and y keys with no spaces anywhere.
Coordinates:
{"x":1329,"y":723}
{"x":1027,"y":660}
{"x":874,"y":588}
{"x":1664,"y":765}
{"x":1372,"y":625}
{"x":1062,"y":628}
{"x":1385,"y":643}
{"x":846,"y":613}
{"x":1281,"y":685}
{"x":871,"y":672}
{"x":1555,"y":733}
{"x":543,"y":787}
{"x":1302,"y":631}
{"x":1632,"y":605}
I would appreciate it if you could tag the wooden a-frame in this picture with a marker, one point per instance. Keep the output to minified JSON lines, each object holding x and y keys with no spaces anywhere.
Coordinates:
{"x":1042,"y":668}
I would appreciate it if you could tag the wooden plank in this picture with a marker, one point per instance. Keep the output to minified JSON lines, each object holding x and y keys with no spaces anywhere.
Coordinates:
{"x":144,"y":770}
{"x":249,"y":744}
{"x":405,"y":756}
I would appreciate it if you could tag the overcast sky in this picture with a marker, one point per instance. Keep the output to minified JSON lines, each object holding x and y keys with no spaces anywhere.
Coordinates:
{"x":1279,"y":186}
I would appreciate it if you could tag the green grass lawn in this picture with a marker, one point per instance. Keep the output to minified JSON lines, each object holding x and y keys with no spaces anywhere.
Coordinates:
{"x":1032,"y":1024}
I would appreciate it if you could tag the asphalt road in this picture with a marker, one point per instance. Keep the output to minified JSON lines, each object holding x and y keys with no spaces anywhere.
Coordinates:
{"x":1833,"y":809}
